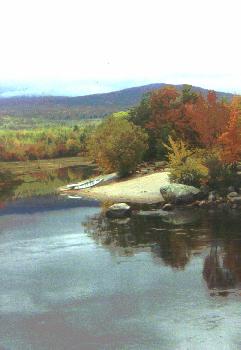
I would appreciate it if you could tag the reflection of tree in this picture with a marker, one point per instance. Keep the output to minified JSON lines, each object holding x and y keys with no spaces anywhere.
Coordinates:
{"x":174,"y":249}
{"x":215,"y":273}
{"x":222,"y":267}
{"x":37,"y":182}
{"x":129,"y":236}
{"x":232,"y":259}
{"x":8,"y":184}
{"x":77,"y":172}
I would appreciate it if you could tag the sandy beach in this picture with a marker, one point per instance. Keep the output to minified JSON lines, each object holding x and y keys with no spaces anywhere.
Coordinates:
{"x":141,"y":189}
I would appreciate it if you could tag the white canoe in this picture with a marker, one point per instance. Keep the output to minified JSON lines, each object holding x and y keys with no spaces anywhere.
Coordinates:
{"x":82,"y":185}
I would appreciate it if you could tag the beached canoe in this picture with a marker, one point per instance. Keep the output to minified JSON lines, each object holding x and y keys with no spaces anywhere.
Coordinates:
{"x":85,"y":184}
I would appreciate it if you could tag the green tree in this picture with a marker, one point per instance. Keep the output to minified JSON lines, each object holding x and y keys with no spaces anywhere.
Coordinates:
{"x":117,"y":145}
{"x":121,"y":114}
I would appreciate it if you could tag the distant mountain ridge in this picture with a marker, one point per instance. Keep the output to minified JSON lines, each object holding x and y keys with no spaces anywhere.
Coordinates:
{"x":82,"y":107}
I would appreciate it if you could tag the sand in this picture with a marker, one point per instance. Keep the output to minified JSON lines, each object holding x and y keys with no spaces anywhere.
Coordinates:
{"x":141,"y":189}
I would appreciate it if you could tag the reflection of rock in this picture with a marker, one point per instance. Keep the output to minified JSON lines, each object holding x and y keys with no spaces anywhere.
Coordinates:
{"x":118,"y":210}
{"x":156,"y":212}
{"x":179,"y":193}
{"x":124,"y":221}
{"x":175,"y":217}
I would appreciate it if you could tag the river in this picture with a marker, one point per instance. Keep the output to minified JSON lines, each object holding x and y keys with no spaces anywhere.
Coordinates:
{"x":70,"y":279}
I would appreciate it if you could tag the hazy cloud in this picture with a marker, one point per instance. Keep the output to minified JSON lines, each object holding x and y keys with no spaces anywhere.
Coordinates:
{"x":105,"y":43}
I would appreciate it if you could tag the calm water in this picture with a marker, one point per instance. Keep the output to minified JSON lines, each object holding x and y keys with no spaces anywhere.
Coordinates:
{"x":72,"y":280}
{"x":39,"y":181}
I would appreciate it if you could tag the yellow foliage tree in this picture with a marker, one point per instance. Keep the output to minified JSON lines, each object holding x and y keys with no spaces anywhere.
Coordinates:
{"x":187,"y":165}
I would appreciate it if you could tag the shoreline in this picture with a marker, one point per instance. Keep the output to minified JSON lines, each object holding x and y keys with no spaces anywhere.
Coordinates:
{"x":143,"y":189}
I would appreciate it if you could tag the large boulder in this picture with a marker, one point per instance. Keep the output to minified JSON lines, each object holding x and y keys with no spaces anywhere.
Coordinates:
{"x":179,"y":193}
{"x":118,"y":210}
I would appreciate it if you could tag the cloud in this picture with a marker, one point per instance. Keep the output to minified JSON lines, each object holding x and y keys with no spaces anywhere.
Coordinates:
{"x":152,"y":41}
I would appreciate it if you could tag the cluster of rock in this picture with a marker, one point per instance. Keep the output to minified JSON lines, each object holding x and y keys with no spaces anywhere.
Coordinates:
{"x":145,"y":168}
{"x":231,"y":201}
{"x":179,"y":194}
{"x":183,"y":194}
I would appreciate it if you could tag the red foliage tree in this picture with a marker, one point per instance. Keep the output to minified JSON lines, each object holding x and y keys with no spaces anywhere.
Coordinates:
{"x":208,"y":117}
{"x":164,"y":108}
{"x":230,"y":140}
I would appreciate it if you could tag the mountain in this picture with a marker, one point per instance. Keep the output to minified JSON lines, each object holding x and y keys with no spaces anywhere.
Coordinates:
{"x":81,"y":107}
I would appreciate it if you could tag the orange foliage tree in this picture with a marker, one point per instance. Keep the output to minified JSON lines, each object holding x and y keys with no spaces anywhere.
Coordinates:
{"x":208,"y":117}
{"x":230,"y":140}
{"x":166,"y":109}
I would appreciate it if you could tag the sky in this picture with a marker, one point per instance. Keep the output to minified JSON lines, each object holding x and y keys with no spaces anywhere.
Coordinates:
{"x":89,"y":46}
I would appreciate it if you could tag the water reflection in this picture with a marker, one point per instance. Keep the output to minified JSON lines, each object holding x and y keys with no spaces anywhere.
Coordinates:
{"x":172,"y":245}
{"x":38,"y":182}
{"x":215,"y":238}
{"x":8,"y":185}
{"x":222,"y":267}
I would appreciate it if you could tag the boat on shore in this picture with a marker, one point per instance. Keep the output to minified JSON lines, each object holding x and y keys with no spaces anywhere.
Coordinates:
{"x":84,"y":184}
{"x":89,"y":183}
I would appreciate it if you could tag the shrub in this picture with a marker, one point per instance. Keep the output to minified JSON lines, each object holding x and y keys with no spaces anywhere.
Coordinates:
{"x":187,"y":166}
{"x":221,"y":175}
{"x":117,"y":145}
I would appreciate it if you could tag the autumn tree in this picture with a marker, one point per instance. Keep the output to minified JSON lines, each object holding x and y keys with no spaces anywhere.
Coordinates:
{"x":208,"y":117}
{"x":164,"y":108}
{"x":163,"y":112}
{"x":117,"y":145}
{"x":230,"y":139}
{"x":156,"y":114}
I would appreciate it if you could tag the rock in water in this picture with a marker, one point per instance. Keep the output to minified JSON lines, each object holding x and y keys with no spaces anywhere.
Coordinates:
{"x":118,"y":210}
{"x":179,"y":193}
{"x":232,"y":194}
{"x":167,"y":207}
{"x":236,"y":200}
{"x":212,"y":196}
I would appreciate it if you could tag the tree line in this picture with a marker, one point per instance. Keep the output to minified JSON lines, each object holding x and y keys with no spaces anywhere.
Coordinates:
{"x":200,"y":135}
{"x":43,"y":142}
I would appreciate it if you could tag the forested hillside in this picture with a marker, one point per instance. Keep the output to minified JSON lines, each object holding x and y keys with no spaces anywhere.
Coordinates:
{"x":63,"y":108}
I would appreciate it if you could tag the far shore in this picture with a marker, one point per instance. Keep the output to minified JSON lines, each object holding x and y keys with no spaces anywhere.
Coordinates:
{"x":17,"y":167}
{"x":140,"y":189}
